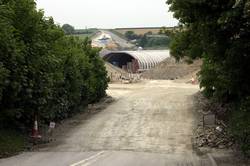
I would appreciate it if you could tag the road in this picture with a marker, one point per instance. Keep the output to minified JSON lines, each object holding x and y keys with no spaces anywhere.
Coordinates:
{"x":150,"y":123}
{"x":112,"y":39}
{"x":120,"y":41}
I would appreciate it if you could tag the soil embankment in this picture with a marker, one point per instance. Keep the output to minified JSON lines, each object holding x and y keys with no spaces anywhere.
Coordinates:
{"x":170,"y":69}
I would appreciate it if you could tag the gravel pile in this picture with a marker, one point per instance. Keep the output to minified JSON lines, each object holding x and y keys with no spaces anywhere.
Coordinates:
{"x":171,"y":70}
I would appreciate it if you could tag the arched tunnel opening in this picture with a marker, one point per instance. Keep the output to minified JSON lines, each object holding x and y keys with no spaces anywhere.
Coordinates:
{"x":123,"y":61}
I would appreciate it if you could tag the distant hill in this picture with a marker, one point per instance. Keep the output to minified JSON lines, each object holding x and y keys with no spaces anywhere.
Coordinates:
{"x":83,"y":33}
{"x":141,"y":30}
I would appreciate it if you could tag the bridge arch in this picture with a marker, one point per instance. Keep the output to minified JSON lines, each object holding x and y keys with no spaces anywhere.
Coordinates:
{"x":136,"y":61}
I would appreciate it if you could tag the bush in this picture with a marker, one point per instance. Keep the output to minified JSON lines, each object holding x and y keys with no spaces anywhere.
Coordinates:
{"x":42,"y":71}
{"x":240,"y":125}
{"x":218,"y":32}
{"x":158,"y":42}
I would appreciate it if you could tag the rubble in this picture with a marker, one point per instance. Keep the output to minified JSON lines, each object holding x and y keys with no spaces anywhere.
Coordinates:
{"x":208,"y":134}
{"x":212,"y":137}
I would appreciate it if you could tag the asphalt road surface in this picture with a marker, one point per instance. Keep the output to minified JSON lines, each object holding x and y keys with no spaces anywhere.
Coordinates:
{"x":150,"y":124}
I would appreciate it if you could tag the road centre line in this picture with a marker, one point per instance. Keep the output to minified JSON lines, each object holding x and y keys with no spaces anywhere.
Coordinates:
{"x":85,"y":162}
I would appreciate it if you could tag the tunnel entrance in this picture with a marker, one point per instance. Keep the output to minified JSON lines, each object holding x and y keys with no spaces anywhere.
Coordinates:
{"x":123,"y":60}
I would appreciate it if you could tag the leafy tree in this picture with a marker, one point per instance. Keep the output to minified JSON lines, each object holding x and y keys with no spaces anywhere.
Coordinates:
{"x":68,"y":29}
{"x":131,"y":35}
{"x":168,"y":32}
{"x":158,"y":42}
{"x":149,"y":40}
{"x":42,"y":71}
{"x":218,"y":32}
{"x":143,"y":41}
{"x":162,"y":30}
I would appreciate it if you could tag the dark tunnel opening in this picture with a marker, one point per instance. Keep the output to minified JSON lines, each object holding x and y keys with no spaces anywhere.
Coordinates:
{"x":123,"y":60}
{"x":118,"y":59}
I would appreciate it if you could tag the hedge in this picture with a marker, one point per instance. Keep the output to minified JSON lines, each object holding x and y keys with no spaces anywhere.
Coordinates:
{"x":43,"y":72}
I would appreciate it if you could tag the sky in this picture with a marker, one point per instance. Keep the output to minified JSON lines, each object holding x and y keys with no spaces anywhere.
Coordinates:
{"x":109,"y":13}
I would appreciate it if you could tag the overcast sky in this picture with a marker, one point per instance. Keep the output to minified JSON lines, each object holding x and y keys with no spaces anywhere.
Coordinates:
{"x":108,"y":13}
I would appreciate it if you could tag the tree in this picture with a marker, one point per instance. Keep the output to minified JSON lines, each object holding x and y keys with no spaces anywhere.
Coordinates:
{"x":130,"y":35}
{"x":218,"y":32}
{"x":42,"y":71}
{"x":168,"y":32}
{"x":160,"y":42}
{"x":68,"y":29}
{"x":143,"y":40}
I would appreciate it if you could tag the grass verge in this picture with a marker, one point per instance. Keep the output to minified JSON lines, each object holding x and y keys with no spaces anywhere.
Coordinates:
{"x":11,"y":142}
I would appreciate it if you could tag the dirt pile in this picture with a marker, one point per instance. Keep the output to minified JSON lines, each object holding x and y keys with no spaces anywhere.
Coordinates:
{"x":213,"y":137}
{"x":116,"y":74}
{"x":170,"y":69}
{"x":113,"y":69}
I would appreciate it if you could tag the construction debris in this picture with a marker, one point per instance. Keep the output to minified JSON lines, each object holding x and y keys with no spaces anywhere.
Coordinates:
{"x":211,"y":132}
{"x":214,"y":137}
{"x":116,"y":75}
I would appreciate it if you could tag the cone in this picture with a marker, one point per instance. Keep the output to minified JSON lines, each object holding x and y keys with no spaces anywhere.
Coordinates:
{"x":193,"y":80}
{"x":35,"y":133}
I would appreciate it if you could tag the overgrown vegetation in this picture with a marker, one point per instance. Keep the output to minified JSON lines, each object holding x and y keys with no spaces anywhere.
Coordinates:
{"x":43,"y":72}
{"x":11,"y":142}
{"x":82,"y":33}
{"x":218,"y":32}
{"x":68,"y":29}
{"x":150,"y":40}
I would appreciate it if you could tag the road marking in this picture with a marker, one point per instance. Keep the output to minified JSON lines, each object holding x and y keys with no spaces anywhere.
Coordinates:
{"x":212,"y":159}
{"x":86,"y":162}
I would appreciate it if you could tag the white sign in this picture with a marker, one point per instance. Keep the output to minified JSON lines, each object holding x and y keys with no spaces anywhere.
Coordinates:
{"x":52,"y":125}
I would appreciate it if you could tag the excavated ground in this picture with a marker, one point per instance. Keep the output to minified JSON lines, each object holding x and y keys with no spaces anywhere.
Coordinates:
{"x":171,"y":70}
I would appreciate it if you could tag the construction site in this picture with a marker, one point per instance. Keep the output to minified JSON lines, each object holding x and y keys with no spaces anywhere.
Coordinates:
{"x":124,"y":83}
{"x":149,"y":117}
{"x":124,"y":64}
